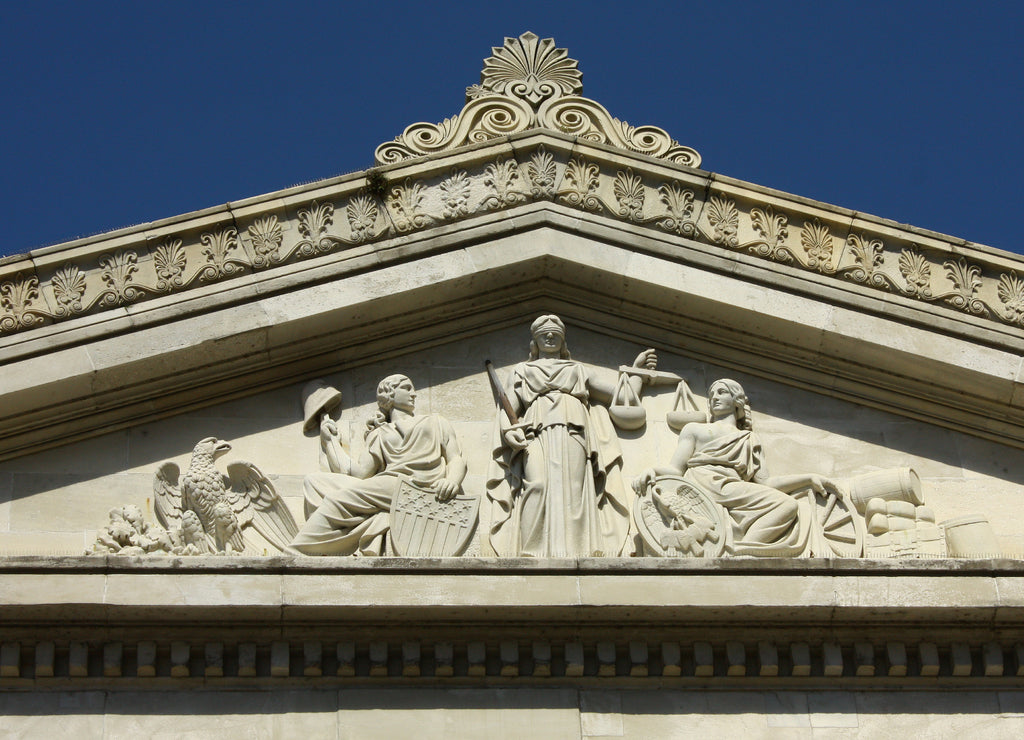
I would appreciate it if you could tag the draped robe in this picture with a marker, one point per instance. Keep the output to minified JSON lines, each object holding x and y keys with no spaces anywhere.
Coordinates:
{"x":764,"y":519}
{"x":563,"y":495}
{"x":348,"y":515}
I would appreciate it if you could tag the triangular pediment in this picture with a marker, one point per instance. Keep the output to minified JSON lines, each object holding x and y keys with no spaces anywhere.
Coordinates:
{"x":879,"y":361}
{"x":111,"y":330}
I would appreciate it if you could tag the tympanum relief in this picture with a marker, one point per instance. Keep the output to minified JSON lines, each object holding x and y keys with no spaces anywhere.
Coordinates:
{"x":553,"y":482}
{"x":402,"y":496}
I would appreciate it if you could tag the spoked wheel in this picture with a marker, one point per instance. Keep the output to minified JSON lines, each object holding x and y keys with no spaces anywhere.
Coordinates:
{"x":841,"y":527}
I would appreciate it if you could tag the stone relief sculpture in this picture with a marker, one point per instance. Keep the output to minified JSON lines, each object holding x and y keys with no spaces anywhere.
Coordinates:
{"x":715,"y":498}
{"x":211,"y":511}
{"x":402,"y":496}
{"x":555,"y":487}
{"x":720,"y":462}
{"x":128,"y":533}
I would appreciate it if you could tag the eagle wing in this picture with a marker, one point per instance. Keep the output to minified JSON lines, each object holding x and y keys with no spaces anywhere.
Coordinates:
{"x":167,"y":496}
{"x":254,"y":501}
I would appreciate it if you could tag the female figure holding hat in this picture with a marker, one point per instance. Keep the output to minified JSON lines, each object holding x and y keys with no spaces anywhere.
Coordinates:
{"x":556,"y":488}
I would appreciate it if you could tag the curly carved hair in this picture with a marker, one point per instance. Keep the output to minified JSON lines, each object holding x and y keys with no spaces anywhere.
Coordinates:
{"x":743,"y":416}
{"x":385,"y":400}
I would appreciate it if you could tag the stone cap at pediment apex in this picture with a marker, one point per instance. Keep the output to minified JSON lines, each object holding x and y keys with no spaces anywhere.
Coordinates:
{"x":529,"y":83}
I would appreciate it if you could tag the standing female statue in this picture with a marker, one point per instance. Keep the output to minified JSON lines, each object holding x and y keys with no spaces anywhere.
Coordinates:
{"x":555,"y":488}
{"x":722,"y":459}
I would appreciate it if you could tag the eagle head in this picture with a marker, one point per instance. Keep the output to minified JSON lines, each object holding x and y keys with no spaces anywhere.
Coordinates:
{"x":211,"y":447}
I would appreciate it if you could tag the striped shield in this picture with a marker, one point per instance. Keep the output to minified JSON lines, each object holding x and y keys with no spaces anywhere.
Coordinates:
{"x":423,"y":527}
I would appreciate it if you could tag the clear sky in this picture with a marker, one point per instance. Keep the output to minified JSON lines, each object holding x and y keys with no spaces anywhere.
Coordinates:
{"x":113,"y":114}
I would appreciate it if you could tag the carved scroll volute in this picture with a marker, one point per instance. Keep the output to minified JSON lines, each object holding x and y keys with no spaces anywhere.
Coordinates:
{"x":481,"y":120}
{"x":591,"y":121}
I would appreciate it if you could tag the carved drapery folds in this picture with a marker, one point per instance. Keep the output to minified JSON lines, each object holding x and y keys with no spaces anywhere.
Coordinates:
{"x":529,"y":83}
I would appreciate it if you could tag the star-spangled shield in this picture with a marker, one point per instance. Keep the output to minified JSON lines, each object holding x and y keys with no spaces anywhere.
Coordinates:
{"x":423,"y":527}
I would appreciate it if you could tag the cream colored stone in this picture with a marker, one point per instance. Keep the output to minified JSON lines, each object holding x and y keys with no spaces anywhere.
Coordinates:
{"x":44,"y":659}
{"x":190,"y":714}
{"x":829,"y":709}
{"x":78,"y":659}
{"x":671,"y":657}
{"x":601,"y":714}
{"x":541,"y":659}
{"x":928,"y":654}
{"x":280,"y":659}
{"x":346,"y":659}
{"x":410,"y":659}
{"x":703,"y":659}
{"x":113,"y":657}
{"x":64,"y":714}
{"x":476,"y":656}
{"x":247,"y":659}
{"x":145,"y":659}
{"x":181,"y":659}
{"x":444,"y":659}
{"x":736,"y":658}
{"x":960,"y":657}
{"x":472,"y":713}
{"x":213,"y":654}
{"x":800,"y":655}
{"x":508,"y":654}
{"x":66,"y":502}
{"x":574,"y":665}
{"x":896,"y":655}
{"x":378,"y":658}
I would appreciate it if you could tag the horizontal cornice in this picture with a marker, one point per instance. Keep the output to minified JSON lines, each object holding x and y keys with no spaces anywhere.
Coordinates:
{"x":728,"y":622}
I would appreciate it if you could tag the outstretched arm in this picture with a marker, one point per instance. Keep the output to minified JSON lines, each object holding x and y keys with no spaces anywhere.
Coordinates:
{"x":603,"y":391}
{"x":677,"y":465}
{"x":793,"y":483}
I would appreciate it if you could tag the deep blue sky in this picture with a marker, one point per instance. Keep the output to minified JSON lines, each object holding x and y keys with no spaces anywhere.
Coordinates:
{"x":118,"y":113}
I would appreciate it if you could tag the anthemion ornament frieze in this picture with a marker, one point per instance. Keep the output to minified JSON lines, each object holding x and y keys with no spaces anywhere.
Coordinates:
{"x":433,"y":174}
{"x":841,"y":248}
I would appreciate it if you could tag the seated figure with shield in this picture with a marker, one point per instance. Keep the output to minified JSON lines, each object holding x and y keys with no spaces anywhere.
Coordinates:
{"x":716,"y":498}
{"x":401,"y":496}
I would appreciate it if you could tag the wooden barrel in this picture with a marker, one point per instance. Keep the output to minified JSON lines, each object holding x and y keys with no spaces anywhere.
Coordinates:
{"x":970,"y":537}
{"x":894,"y":484}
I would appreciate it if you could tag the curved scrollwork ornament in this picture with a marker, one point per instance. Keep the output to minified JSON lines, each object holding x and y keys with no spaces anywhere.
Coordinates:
{"x":530,"y":83}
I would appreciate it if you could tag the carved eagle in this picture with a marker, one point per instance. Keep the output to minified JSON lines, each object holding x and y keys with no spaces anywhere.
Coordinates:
{"x":224,"y":505}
